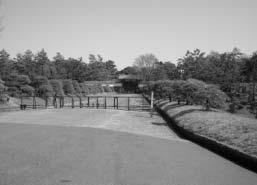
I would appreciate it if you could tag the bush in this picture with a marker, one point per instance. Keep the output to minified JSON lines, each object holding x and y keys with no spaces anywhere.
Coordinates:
{"x":40,"y":80}
{"x":57,"y":87}
{"x":194,"y":91}
{"x":27,"y":90}
{"x":23,"y":79}
{"x":204,"y":92}
{"x":3,"y":88}
{"x":45,"y":90}
{"x":68,"y":87}
{"x":77,"y":88}
{"x":84,"y":88}
{"x":18,"y":84}
{"x":107,"y":88}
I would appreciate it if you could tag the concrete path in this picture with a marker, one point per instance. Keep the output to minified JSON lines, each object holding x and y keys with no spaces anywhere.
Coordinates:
{"x":105,"y":147}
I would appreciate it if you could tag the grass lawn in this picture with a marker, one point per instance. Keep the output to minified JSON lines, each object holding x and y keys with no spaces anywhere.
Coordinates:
{"x":236,"y":131}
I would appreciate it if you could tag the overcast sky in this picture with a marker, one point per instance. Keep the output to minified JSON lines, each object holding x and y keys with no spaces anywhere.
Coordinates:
{"x":123,"y":29}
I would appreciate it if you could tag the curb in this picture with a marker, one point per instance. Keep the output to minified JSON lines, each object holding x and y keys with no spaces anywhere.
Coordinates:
{"x":219,"y":148}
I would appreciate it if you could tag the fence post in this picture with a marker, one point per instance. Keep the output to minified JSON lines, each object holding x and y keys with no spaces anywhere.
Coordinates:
{"x":88,"y":101}
{"x":105,"y":102}
{"x":72,"y":102}
{"x":128,"y":103}
{"x":97,"y":102}
{"x":60,"y":102}
{"x":114,"y":102}
{"x":34,"y":103}
{"x":117,"y":102}
{"x":80,"y":102}
{"x":152,"y":95}
{"x":21,"y":106}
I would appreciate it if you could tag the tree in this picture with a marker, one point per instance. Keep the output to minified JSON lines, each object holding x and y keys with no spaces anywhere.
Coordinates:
{"x":18,"y":84}
{"x":97,"y":68}
{"x":68,"y":87}
{"x":6,"y":65}
{"x":77,"y":87}
{"x":249,"y":69}
{"x":44,"y":67}
{"x":171,"y":70}
{"x":191,"y":64}
{"x":57,"y":87}
{"x":159,"y":72}
{"x":111,"y":69}
{"x":146,"y":64}
{"x":25,"y":64}
{"x":59,"y":62}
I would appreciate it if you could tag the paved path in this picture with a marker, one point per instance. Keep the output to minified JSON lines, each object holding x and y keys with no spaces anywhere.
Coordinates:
{"x":105,"y":147}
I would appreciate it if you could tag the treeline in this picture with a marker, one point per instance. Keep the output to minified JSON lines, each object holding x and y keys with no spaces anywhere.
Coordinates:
{"x":191,"y":90}
{"x":32,"y":65}
{"x":35,"y":74}
{"x":227,"y":70}
{"x":21,"y":85}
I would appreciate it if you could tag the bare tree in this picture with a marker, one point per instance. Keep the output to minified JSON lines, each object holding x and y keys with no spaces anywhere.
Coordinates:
{"x":146,"y":64}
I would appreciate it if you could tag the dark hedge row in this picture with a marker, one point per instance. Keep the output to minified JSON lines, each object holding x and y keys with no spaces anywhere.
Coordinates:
{"x":16,"y":85}
{"x":192,"y":91}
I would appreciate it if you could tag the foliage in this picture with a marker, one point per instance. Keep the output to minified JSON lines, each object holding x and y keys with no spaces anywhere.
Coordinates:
{"x":2,"y":86}
{"x":27,"y":89}
{"x":18,"y":84}
{"x":84,"y":88}
{"x":39,"y":80}
{"x":107,"y":88}
{"x":76,"y":86}
{"x":45,"y":90}
{"x":68,"y":87}
{"x":192,"y":90}
{"x":146,"y":64}
{"x":57,"y":87}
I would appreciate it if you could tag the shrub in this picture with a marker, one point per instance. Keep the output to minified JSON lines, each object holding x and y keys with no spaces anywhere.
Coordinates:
{"x":84,"y":88}
{"x":18,"y":84}
{"x":107,"y":88}
{"x":45,"y":90}
{"x":27,"y":90}
{"x":2,"y":86}
{"x":204,"y":92}
{"x":76,"y":86}
{"x":23,"y":79}
{"x":40,"y":80}
{"x":68,"y":87}
{"x":57,"y":87}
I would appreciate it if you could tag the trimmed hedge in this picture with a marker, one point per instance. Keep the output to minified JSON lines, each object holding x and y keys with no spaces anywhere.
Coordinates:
{"x":45,"y":90}
{"x":57,"y":87}
{"x":192,"y":91}
{"x":27,"y":89}
{"x":19,"y":84}
{"x":68,"y":87}
{"x":77,"y":88}
{"x":84,"y":88}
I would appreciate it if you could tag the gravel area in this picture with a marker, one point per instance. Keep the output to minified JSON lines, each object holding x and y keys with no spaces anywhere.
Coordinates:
{"x":119,"y":120}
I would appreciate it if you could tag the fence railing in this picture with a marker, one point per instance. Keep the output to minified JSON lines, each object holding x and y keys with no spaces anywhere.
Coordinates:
{"x":103,"y":102}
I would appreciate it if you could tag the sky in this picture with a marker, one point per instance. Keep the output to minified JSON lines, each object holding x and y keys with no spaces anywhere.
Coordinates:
{"x":121,"y":30}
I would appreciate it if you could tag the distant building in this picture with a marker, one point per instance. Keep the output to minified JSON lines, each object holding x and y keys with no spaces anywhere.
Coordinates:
{"x":129,"y":82}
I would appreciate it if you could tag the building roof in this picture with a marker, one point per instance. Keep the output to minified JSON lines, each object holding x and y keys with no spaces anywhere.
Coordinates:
{"x":128,"y":77}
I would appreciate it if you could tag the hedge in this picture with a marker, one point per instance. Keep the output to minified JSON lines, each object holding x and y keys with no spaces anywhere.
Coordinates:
{"x":57,"y":87}
{"x":84,"y":88}
{"x":45,"y":90}
{"x":77,"y":88}
{"x":192,"y":90}
{"x":68,"y":87}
